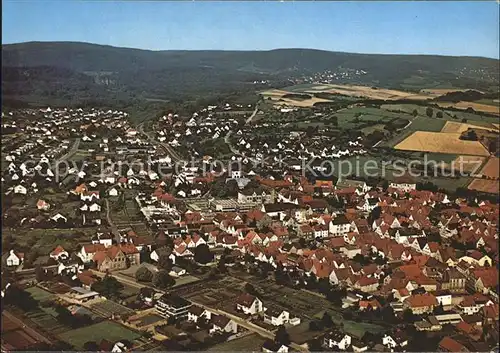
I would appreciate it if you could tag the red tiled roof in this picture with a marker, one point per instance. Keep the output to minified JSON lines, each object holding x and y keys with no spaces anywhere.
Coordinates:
{"x":421,"y":300}
{"x":450,"y":345}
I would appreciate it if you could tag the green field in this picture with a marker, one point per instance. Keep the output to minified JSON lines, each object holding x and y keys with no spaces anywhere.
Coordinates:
{"x":39,"y":294}
{"x":447,"y":114}
{"x":420,"y":123}
{"x":46,"y":240}
{"x":104,"y":330}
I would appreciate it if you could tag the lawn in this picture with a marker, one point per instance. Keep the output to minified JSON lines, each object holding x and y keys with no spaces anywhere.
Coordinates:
{"x":354,"y":328}
{"x":250,"y":343}
{"x":46,"y":240}
{"x":39,"y":294}
{"x":108,"y":330}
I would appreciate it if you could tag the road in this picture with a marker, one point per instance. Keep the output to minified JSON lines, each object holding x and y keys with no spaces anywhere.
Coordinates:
{"x":114,"y":228}
{"x":253,"y":114}
{"x":168,"y":149}
{"x":240,"y":321}
{"x":72,"y":150}
{"x":33,"y":333}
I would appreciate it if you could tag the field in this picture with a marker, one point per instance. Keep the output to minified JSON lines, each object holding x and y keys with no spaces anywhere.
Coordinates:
{"x":248,"y":343}
{"x":306,"y":305}
{"x":426,"y":141}
{"x":466,"y":163}
{"x":456,"y":127}
{"x":484,"y":185}
{"x":109,"y":308}
{"x":457,"y":116}
{"x":15,"y":337}
{"x":492,"y":168}
{"x":478,"y":107}
{"x":104,"y":330}
{"x":46,"y":240}
{"x":301,"y":103}
{"x":440,"y":91}
{"x":353,"y":91}
{"x":39,"y":294}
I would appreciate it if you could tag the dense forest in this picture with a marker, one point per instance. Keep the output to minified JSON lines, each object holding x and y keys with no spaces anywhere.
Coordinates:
{"x":61,"y":73}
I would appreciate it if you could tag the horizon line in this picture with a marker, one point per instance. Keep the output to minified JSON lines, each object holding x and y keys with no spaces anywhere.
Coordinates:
{"x":252,"y":50}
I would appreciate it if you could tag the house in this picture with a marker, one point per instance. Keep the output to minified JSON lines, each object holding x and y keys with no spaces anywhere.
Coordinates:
{"x":337,"y":340}
{"x":42,"y":205}
{"x":197,"y":312}
{"x":339,"y":226}
{"x":276,"y":317}
{"x":270,"y":346}
{"x":20,"y":189}
{"x":86,"y":279}
{"x":221,"y":323}
{"x":113,"y":192}
{"x":366,"y":284}
{"x":404,"y":183}
{"x":448,"y":344}
{"x":59,"y":253}
{"x":358,"y":345}
{"x":472,"y":304}
{"x":485,"y":279}
{"x":59,"y":218}
{"x":105,"y":239}
{"x":88,"y":251}
{"x":453,"y":280}
{"x":14,"y":258}
{"x":89,"y":196}
{"x":395,"y":340}
{"x":254,"y":196}
{"x":155,"y":254}
{"x":82,"y":295}
{"x":249,"y":304}
{"x":171,"y":305}
{"x":117,"y":257}
{"x":177,"y":271}
{"x":120,"y":347}
{"x":420,"y":303}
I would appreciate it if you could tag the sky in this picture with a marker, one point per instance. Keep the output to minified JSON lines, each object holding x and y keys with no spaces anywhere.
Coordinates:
{"x":429,"y":27}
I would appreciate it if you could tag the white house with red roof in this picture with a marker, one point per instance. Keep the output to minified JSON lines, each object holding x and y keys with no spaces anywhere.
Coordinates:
{"x":14,"y":258}
{"x":249,"y":304}
{"x":42,"y":205}
{"x":88,"y":251}
{"x":59,"y":253}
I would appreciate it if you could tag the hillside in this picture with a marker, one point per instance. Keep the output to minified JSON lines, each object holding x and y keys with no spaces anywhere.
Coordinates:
{"x":76,"y":72}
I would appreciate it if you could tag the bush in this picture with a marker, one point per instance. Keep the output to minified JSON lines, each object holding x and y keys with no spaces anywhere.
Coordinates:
{"x":143,"y":275}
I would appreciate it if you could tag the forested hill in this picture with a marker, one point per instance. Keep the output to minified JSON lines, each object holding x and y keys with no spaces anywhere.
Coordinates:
{"x":81,"y":72}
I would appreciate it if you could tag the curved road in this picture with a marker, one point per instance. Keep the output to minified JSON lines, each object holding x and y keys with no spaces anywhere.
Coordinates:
{"x":170,"y":151}
{"x":72,"y":151}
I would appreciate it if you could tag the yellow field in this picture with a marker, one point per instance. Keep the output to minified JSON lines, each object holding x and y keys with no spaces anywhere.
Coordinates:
{"x":492,"y":168}
{"x":466,"y":163}
{"x":368,"y":92}
{"x":476,"y":106}
{"x":439,"y":142}
{"x":301,"y":103}
{"x":456,"y":127}
{"x":485,"y":185}
{"x":277,"y":94}
{"x":440,"y":91}
{"x":274,"y":93}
